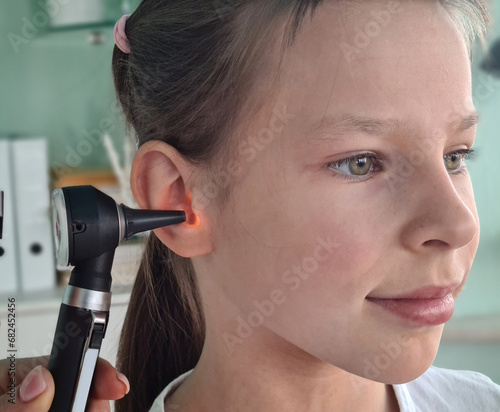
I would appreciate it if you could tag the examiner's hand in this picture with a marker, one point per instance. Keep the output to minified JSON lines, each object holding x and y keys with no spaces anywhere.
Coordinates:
{"x":34,"y":386}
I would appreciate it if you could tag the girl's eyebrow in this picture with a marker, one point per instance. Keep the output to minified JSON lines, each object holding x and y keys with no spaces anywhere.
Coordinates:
{"x":379,"y":127}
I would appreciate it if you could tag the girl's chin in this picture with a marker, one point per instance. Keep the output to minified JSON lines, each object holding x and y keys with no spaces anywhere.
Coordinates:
{"x":398,"y":372}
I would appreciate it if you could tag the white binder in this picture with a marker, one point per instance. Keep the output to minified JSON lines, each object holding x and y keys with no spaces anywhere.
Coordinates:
{"x":8,"y":256}
{"x":33,"y":217}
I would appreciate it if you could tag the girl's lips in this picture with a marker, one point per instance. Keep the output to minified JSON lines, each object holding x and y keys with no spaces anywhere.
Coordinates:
{"x":419,"y":311}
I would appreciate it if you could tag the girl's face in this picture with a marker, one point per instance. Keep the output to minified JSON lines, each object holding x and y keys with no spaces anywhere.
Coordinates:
{"x":307,"y":238}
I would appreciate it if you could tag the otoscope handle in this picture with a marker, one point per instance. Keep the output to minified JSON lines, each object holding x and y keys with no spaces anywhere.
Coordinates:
{"x":77,"y":341}
{"x":88,"y":227}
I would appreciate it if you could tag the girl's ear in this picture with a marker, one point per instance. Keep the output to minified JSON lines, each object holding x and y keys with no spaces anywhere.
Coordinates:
{"x":162,"y":179}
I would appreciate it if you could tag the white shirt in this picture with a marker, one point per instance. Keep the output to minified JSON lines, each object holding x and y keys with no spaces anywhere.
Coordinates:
{"x":437,"y":390}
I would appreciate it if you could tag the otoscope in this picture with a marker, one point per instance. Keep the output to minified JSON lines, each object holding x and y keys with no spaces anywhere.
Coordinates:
{"x":88,"y":226}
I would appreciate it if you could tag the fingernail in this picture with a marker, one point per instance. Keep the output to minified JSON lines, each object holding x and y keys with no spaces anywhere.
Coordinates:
{"x":33,"y":385}
{"x":124,"y":379}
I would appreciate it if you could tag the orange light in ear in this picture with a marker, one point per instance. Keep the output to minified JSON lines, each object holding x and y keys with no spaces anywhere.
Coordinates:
{"x":192,"y":219}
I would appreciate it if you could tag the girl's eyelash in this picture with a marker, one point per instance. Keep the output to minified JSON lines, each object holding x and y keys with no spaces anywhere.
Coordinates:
{"x":467,"y":154}
{"x":378,"y":162}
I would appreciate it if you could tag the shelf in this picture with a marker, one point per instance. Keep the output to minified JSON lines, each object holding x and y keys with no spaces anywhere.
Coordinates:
{"x":76,"y":37}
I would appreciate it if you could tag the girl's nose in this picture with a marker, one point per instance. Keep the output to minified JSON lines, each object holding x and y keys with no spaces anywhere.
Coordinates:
{"x":441,"y":212}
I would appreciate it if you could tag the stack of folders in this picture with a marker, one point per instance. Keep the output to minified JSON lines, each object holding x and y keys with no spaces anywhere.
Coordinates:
{"x":27,"y":262}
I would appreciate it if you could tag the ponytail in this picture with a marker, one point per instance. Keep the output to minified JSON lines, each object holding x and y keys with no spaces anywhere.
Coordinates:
{"x":164,"y":328}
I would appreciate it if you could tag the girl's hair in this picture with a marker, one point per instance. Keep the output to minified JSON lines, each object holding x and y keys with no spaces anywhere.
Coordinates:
{"x":186,"y":81}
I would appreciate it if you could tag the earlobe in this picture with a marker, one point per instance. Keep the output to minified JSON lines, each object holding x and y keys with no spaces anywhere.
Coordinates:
{"x":161,"y":179}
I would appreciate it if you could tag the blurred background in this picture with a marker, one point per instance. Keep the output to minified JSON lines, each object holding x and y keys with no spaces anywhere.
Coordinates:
{"x":58,"y":108}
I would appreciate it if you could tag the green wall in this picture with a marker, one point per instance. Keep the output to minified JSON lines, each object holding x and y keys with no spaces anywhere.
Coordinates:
{"x":58,"y":84}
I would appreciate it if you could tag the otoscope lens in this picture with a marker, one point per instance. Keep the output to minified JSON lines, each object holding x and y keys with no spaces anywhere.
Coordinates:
{"x":60,"y":229}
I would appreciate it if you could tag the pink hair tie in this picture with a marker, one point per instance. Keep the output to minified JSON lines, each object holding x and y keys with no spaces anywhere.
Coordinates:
{"x":120,"y":36}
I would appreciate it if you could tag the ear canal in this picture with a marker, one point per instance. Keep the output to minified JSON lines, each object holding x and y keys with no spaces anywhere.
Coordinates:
{"x":192,"y":219}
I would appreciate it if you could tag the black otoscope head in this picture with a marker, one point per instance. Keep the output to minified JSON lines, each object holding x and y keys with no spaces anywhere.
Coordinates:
{"x":89,"y":225}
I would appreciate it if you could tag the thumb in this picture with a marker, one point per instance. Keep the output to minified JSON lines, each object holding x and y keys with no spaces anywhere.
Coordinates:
{"x":34,"y":394}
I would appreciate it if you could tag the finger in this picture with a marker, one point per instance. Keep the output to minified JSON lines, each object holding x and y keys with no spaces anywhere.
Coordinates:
{"x":108,"y":384}
{"x":35,"y":393}
{"x":97,"y":405}
{"x":20,"y":367}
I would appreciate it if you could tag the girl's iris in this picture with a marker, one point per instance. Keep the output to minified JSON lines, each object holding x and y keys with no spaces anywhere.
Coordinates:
{"x":360,"y":166}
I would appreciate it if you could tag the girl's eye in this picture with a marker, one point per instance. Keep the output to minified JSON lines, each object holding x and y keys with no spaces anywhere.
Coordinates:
{"x":362,"y":166}
{"x":455,"y":161}
{"x":359,"y":167}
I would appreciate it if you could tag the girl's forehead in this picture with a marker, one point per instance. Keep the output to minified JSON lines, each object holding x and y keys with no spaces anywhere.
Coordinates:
{"x":374,"y":33}
{"x":397,"y":74}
